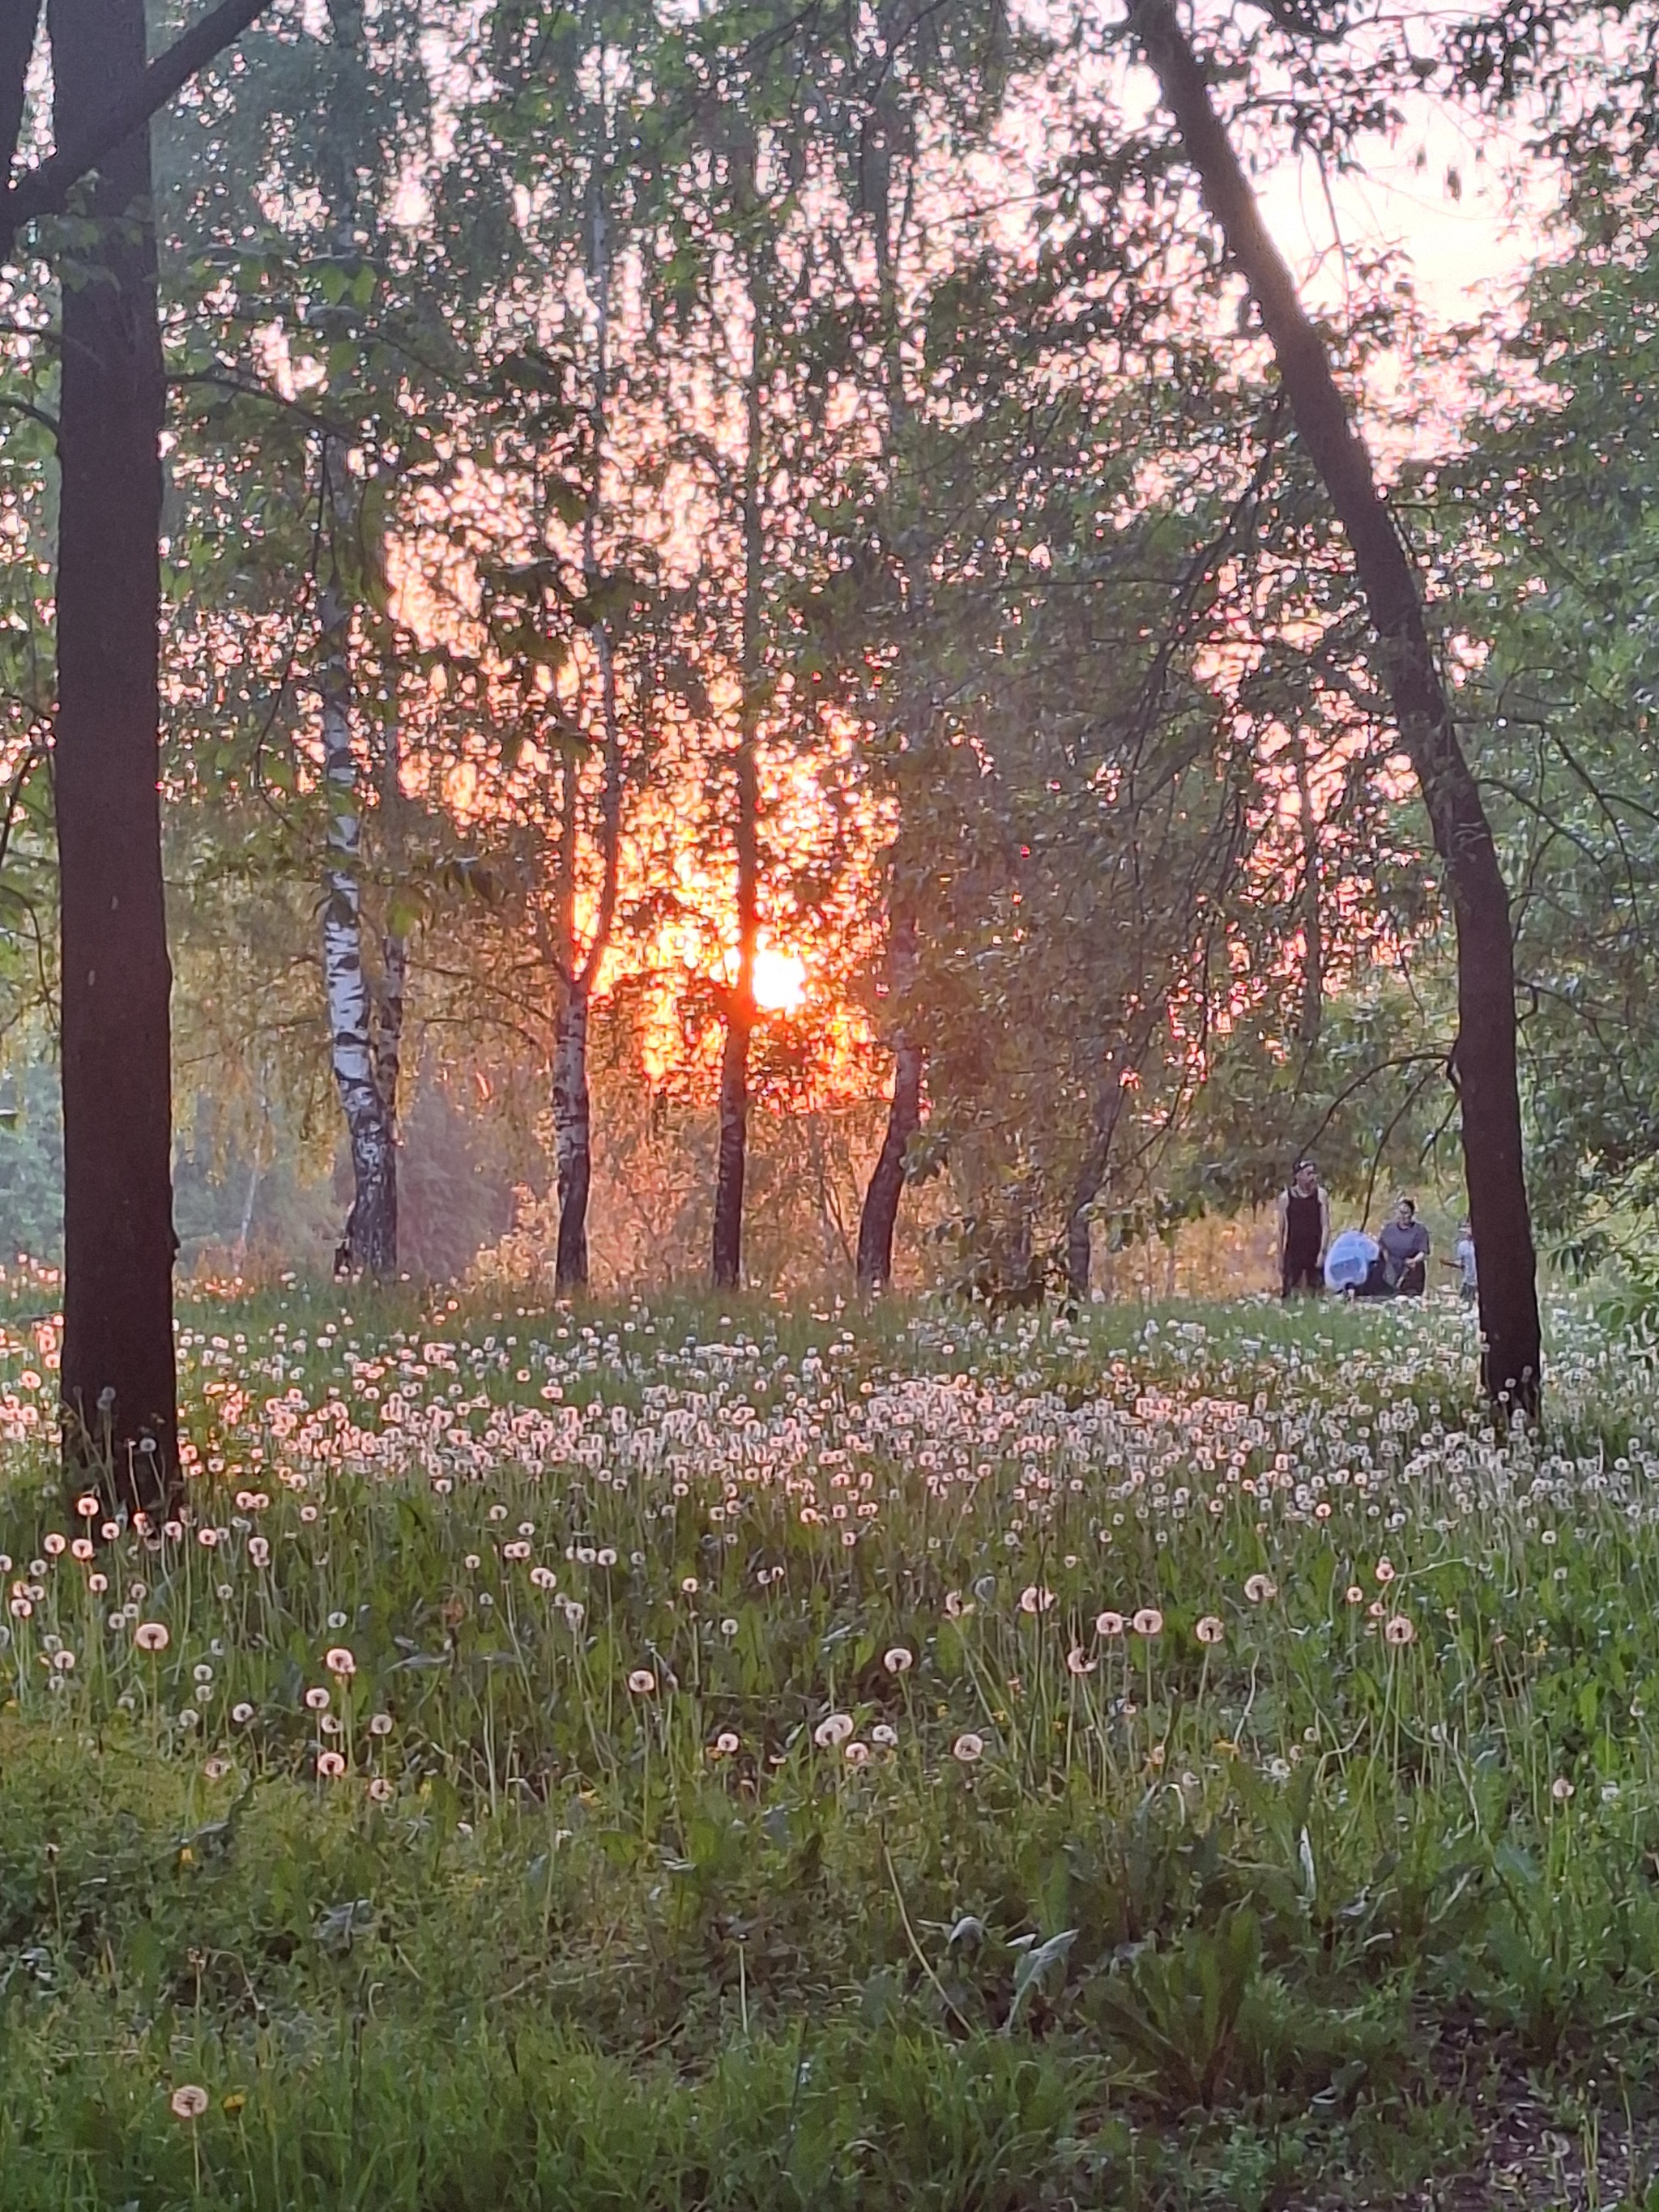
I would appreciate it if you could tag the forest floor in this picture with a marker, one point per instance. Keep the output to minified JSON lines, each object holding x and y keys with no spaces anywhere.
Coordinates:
{"x":697,"y":1755}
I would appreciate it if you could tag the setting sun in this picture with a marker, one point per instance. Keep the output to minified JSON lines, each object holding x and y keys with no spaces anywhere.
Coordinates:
{"x":779,"y":981}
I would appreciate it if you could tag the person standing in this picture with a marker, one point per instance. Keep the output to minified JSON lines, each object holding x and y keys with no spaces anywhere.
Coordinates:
{"x":1405,"y":1243}
{"x":1463,"y":1265}
{"x":1304,"y":1228}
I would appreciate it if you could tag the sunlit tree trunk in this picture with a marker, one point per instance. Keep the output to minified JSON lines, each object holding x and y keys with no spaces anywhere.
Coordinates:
{"x":1484,"y":1056}
{"x":118,"y":1379}
{"x":370,"y":1242}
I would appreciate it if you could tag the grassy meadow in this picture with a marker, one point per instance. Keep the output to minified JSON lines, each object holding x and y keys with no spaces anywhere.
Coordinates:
{"x":684,"y":1754}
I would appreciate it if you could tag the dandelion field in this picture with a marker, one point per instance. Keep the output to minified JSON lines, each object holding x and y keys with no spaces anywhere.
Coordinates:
{"x":691,"y":1755}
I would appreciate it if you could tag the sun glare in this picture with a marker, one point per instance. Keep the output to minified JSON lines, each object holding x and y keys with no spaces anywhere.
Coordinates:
{"x":779,"y":981}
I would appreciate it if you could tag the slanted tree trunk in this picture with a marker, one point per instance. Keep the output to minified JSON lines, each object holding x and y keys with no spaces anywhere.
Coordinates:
{"x":1484,"y":1055}
{"x":370,"y":1242}
{"x":733,"y":1159}
{"x":879,"y":1217}
{"x":117,"y":1381}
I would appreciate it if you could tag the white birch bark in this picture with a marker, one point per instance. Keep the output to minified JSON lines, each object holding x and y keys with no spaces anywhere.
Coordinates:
{"x":370,"y":1239}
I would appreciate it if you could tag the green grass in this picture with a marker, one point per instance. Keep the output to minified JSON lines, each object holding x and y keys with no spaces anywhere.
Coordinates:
{"x":898,"y":1876}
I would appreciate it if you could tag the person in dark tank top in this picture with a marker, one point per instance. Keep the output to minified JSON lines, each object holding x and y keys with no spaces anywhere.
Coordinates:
{"x":1304,"y":1228}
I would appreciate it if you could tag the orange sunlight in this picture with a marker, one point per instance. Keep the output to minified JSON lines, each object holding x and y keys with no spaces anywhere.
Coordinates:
{"x":779,"y":981}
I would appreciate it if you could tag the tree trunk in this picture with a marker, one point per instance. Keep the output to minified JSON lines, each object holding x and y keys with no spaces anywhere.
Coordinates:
{"x":370,"y":1242}
{"x":256,"y":1175}
{"x":879,"y":1217}
{"x":244,"y":1230}
{"x":573,"y":1112}
{"x":740,"y":1005}
{"x":118,"y":1382}
{"x":572,"y":1139}
{"x":1109,"y":1106}
{"x":1486,"y":1053}
{"x":389,"y":1029}
{"x":739,"y":1028}
{"x":1312,"y":1014}
{"x":388,"y":1008}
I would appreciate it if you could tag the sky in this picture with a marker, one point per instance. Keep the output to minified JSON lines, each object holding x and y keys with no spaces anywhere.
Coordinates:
{"x":1469,"y":245}
{"x":1468,"y":250}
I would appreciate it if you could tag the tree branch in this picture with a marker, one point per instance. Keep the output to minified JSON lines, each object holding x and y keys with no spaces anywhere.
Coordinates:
{"x":44,"y":189}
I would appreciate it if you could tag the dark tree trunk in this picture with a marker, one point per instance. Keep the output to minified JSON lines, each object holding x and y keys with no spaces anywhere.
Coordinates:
{"x":732,"y":1157}
{"x":572,"y":1139}
{"x":879,"y":1218}
{"x":732,"y":1161}
{"x":392,"y":995}
{"x":572,"y":1110}
{"x":389,"y":1026}
{"x":739,"y":1028}
{"x":1485,"y":1052}
{"x":1109,"y":1109}
{"x":1313,"y":917}
{"x":117,"y":1381}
